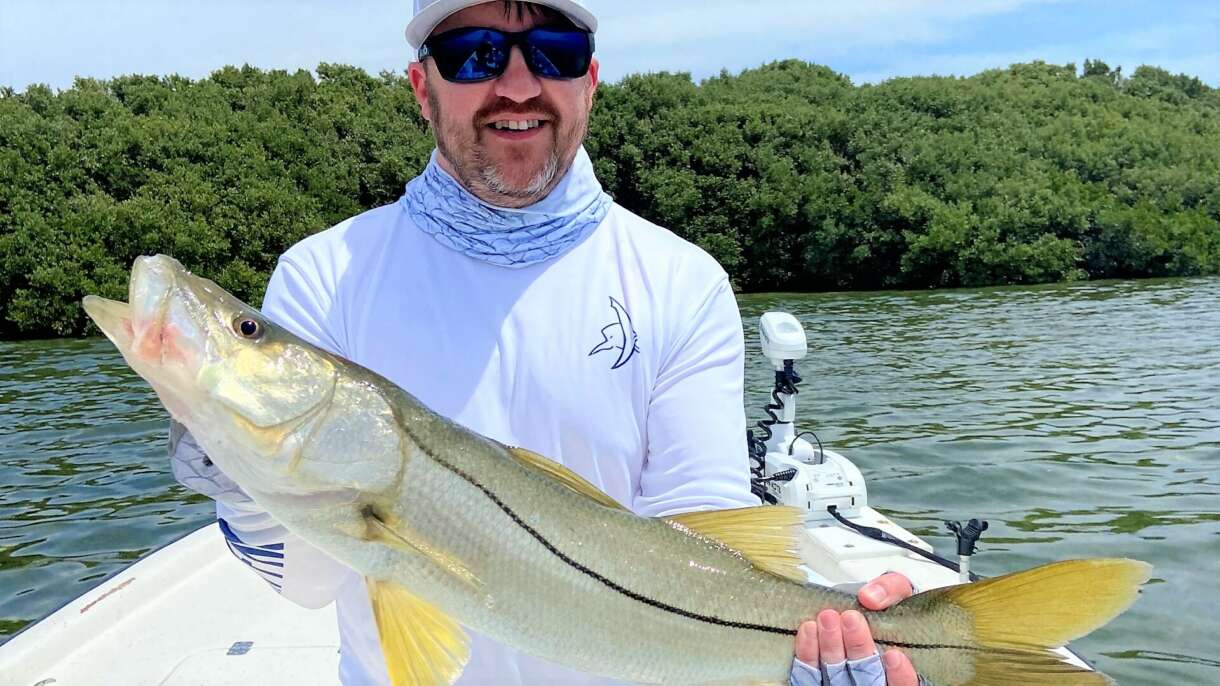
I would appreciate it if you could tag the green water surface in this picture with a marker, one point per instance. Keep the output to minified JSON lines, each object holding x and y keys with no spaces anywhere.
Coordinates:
{"x":1081,"y":420}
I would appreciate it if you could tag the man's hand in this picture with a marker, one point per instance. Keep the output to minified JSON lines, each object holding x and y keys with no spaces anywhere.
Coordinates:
{"x":195,"y":470}
{"x":840,"y":645}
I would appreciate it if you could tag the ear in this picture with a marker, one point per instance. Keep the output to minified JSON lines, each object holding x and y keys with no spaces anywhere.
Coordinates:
{"x":418,"y":74}
{"x":593,"y":67}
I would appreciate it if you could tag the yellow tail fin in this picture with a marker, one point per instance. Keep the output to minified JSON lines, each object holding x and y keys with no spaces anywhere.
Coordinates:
{"x":1000,"y":632}
{"x":1050,"y":605}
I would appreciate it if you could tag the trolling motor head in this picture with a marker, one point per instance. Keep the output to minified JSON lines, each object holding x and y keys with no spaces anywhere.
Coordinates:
{"x":782,"y":338}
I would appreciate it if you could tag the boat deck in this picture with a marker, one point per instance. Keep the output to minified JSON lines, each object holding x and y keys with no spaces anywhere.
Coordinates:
{"x":144,"y":627}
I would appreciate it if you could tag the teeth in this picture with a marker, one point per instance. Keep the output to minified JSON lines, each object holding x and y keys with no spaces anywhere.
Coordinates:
{"x":521,"y":125}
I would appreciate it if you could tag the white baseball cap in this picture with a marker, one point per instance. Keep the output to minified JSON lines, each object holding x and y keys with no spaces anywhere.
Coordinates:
{"x":429,"y":13}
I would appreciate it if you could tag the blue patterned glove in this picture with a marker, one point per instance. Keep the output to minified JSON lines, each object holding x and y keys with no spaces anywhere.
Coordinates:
{"x":866,"y":671}
{"x":192,"y":468}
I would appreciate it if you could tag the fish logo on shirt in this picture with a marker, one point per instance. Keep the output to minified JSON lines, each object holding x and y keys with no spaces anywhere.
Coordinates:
{"x":618,"y":337}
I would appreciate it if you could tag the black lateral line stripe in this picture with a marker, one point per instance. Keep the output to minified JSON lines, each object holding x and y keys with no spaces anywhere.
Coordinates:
{"x":607,"y":582}
{"x":951,"y":646}
{"x":926,"y":646}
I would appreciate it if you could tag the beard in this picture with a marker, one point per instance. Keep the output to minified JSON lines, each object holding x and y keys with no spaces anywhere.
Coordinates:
{"x":542,"y":180}
{"x":512,"y":179}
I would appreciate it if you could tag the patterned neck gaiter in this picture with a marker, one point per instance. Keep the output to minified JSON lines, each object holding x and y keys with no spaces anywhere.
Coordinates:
{"x":442,"y":207}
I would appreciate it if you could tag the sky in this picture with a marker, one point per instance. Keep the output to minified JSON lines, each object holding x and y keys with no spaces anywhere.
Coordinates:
{"x":53,"y":41}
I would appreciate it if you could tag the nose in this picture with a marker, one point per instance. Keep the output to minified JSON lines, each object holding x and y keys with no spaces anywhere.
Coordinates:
{"x":518,"y":83}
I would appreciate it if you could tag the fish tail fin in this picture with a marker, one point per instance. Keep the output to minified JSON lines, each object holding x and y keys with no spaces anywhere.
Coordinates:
{"x":1050,"y":605}
{"x":1008,"y":625}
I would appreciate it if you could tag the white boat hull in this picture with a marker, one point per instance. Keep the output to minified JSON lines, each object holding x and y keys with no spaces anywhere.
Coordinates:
{"x":189,"y":614}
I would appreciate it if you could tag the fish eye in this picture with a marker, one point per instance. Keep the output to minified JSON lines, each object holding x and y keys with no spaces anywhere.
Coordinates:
{"x":248,"y":327}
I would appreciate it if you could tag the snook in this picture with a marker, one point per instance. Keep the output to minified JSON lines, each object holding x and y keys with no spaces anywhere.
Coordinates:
{"x":452,"y":529}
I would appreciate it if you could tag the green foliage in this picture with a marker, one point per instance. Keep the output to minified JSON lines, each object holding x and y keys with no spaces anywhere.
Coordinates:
{"x":788,"y":174}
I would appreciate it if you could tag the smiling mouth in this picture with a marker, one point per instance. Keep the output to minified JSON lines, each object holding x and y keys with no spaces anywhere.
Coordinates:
{"x":513,"y":130}
{"x":517,"y":124}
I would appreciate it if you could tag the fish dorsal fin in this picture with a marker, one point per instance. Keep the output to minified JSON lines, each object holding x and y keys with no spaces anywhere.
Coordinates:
{"x":563,"y":475}
{"x":764,"y":535}
{"x":422,"y":645}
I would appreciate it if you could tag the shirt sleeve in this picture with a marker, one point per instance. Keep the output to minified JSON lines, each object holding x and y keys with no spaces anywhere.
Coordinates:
{"x":697,"y":457}
{"x":298,"y":570}
{"x":300,"y":298}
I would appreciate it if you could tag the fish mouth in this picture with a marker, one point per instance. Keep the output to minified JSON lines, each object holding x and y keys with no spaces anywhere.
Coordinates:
{"x":153,"y":330}
{"x":153,"y":279}
{"x":146,"y":329}
{"x":113,"y":318}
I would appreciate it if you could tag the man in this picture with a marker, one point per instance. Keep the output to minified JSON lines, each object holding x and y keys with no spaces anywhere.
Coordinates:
{"x":508,"y":292}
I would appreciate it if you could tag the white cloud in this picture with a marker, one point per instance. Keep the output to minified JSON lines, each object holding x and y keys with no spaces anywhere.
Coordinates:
{"x":868,"y":39}
{"x":702,"y":36}
{"x":1154,"y":45}
{"x":52,"y":42}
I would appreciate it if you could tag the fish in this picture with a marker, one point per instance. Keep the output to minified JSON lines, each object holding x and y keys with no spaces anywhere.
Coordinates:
{"x":456,"y":532}
{"x":619,"y":335}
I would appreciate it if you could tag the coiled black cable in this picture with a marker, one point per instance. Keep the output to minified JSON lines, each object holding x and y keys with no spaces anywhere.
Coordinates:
{"x":786,"y":380}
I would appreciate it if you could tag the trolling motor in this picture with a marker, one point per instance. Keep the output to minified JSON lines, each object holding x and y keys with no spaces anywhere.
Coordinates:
{"x":787,"y":468}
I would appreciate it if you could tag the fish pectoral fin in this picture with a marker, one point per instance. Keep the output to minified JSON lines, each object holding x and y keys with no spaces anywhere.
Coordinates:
{"x":398,"y":535}
{"x":422,"y":645}
{"x":563,"y":475}
{"x":765,"y":535}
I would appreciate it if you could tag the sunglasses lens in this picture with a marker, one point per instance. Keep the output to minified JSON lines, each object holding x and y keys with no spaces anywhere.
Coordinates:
{"x":559,"y":54}
{"x":473,"y":55}
{"x":477,"y":54}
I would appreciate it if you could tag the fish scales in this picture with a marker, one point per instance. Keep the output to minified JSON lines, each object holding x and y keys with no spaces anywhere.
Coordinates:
{"x":551,"y":569}
{"x":452,"y":529}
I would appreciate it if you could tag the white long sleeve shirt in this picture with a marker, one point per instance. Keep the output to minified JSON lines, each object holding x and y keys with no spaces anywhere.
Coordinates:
{"x":621,"y":359}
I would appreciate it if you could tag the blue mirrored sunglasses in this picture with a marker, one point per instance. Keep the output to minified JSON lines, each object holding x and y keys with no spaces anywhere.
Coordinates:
{"x":471,"y":54}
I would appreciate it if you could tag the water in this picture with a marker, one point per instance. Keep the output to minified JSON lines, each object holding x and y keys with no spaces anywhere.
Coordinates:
{"x":85,"y":487}
{"x":1081,"y":420}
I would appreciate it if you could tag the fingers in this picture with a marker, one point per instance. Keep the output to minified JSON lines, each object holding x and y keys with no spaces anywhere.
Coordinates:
{"x":807,"y":643}
{"x":857,"y":638}
{"x":898,"y":669}
{"x":841,"y":637}
{"x":830,"y":638}
{"x":885,"y":590}
{"x":841,"y":643}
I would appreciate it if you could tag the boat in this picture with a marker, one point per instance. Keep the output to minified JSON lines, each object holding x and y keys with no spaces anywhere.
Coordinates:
{"x":192,"y":614}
